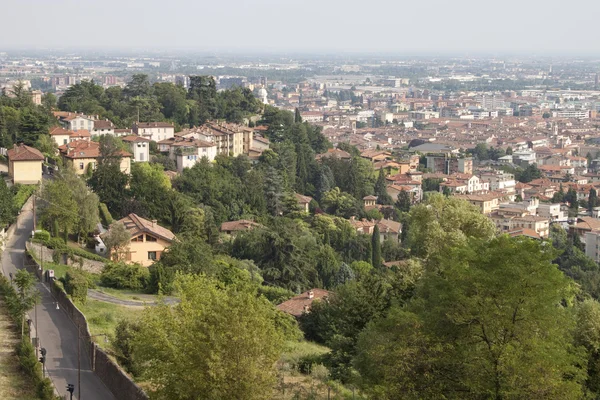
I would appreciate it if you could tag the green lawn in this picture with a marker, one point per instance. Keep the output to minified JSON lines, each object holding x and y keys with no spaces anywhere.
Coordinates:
{"x":14,"y":385}
{"x":103,"y":317}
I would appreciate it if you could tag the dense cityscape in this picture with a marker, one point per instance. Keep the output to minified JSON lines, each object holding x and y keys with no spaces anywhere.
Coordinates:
{"x":298,"y":225}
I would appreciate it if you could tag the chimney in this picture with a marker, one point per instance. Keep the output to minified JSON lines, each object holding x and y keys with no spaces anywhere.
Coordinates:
{"x":154,"y":222}
{"x":311,"y":294}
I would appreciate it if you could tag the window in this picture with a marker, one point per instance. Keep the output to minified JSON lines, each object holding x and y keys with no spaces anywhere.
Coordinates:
{"x":141,"y":157}
{"x":81,"y":166}
{"x":150,"y":238}
{"x":139,"y":238}
{"x":151,"y":255}
{"x":64,"y":141}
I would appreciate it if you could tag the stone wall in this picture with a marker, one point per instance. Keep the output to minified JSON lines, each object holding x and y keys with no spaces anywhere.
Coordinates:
{"x":115,"y":379}
{"x":119,"y":383}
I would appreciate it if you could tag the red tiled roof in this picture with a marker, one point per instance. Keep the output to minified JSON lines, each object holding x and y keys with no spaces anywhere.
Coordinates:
{"x":137,"y":225}
{"x":134,"y":138}
{"x":24,"y":153}
{"x":300,"y":304}
{"x":241,"y":225}
{"x":84,"y":149}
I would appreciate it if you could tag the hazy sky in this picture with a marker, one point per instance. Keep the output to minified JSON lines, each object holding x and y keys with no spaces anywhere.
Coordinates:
{"x":425,"y":26}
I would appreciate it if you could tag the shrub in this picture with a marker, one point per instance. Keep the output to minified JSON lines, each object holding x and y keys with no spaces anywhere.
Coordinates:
{"x":274,"y":294}
{"x":305,"y":363}
{"x":105,"y":216}
{"x":124,"y":335}
{"x":124,"y":276}
{"x":76,"y":285}
{"x":21,"y":194}
{"x":42,"y":235}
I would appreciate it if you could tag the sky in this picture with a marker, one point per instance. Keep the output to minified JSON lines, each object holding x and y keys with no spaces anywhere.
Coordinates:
{"x":331,"y":26}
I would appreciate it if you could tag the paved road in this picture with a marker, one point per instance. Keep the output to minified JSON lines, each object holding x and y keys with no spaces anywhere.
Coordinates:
{"x":56,"y":331}
{"x":107,"y":298}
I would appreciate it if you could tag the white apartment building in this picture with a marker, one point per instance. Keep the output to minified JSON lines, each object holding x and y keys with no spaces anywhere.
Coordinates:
{"x":76,"y":122}
{"x":499,"y":180}
{"x":187,"y":153}
{"x":155,"y":131}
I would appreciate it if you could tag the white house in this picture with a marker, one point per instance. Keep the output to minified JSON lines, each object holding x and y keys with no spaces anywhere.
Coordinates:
{"x":139,"y":147}
{"x":103,"y":127}
{"x":155,"y":131}
{"x":74,"y":121}
{"x":187,"y":153}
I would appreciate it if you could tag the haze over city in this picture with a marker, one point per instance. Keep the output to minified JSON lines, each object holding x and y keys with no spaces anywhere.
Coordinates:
{"x":437,"y":26}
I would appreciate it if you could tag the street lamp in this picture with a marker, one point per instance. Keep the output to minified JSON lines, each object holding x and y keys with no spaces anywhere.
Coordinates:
{"x":43,"y":361}
{"x":70,"y":389}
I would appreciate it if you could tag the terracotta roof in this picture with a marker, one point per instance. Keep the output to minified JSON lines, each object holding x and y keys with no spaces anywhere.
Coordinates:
{"x":103,"y":124}
{"x":59,"y":130}
{"x":24,"y":153}
{"x":241,"y":225}
{"x":525,"y":232}
{"x":587,"y":223}
{"x":300,"y":304}
{"x":84,"y":149}
{"x":137,"y":225}
{"x":134,"y":138}
{"x":80,"y":134}
{"x":370,"y":197}
{"x":303,"y":199}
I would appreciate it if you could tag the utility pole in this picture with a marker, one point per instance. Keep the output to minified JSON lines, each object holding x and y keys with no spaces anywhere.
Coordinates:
{"x":78,"y":362}
{"x":37,"y":336}
{"x":34,"y":212}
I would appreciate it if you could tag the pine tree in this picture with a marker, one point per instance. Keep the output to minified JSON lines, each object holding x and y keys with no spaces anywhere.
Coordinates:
{"x":376,"y":245}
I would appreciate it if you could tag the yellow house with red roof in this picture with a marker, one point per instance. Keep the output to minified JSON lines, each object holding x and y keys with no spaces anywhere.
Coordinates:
{"x":25,"y":164}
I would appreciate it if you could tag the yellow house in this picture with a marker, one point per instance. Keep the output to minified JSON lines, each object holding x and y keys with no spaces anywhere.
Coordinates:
{"x":63,"y":136}
{"x":148,"y":240}
{"x":80,"y":153}
{"x":25,"y":164}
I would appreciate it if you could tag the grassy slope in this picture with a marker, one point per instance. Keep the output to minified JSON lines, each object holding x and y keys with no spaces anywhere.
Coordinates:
{"x":13,"y":384}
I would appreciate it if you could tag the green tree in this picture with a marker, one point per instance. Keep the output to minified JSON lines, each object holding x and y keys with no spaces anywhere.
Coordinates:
{"x":6,"y":204}
{"x":27,"y":294}
{"x":381,"y":189}
{"x":117,"y":240}
{"x":593,"y":200}
{"x":339,"y":203}
{"x":297,"y":116}
{"x":403,"y":203}
{"x":222,"y":343}
{"x":376,"y":246}
{"x":442,"y":223}
{"x":108,"y":181}
{"x":493,"y":324}
{"x":59,"y":204}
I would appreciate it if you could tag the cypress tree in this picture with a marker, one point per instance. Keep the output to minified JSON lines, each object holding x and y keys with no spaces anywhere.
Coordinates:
{"x":376,"y":251}
{"x":297,"y":116}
